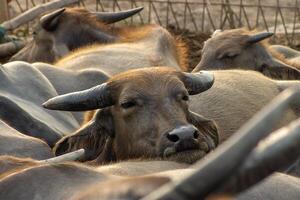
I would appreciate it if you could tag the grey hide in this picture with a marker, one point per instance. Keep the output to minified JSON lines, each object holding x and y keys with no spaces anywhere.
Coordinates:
{"x":236,"y":96}
{"x":67,"y":81}
{"x":14,"y":143}
{"x":23,"y":89}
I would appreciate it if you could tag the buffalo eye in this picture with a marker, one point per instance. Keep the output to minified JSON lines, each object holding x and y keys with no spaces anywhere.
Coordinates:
{"x":228,"y":55}
{"x":128,"y":104}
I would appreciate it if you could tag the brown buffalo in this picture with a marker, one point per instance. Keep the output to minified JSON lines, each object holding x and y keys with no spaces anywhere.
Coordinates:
{"x":111,"y":49}
{"x":66,"y":29}
{"x":143,"y":113}
{"x":233,"y":99}
{"x":241,"y":49}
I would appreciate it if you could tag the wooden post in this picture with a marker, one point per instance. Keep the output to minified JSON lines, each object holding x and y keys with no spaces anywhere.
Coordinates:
{"x":34,"y":12}
{"x":3,"y":10}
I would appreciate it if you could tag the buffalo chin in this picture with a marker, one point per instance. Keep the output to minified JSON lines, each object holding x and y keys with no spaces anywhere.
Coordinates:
{"x":188,"y":156}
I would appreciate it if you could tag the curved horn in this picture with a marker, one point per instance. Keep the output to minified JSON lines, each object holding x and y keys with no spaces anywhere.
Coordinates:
{"x":112,"y":17}
{"x":222,"y":163}
{"x":198,"y":82}
{"x":50,"y":21}
{"x":72,"y":156}
{"x":258,"y":37}
{"x":90,"y":99}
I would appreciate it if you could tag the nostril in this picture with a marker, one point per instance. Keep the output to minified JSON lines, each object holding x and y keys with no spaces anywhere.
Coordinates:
{"x":196,"y":135}
{"x":173,"y":137}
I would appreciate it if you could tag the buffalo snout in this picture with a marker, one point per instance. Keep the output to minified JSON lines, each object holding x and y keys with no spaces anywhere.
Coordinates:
{"x":184,"y":139}
{"x":183,"y":133}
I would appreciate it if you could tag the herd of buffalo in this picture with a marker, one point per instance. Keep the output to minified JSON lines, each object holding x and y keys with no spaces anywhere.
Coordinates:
{"x":93,"y":110}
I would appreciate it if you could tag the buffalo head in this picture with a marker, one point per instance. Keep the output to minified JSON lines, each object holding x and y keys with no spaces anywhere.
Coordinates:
{"x":142,"y":114}
{"x":66,"y":29}
{"x":238,"y":48}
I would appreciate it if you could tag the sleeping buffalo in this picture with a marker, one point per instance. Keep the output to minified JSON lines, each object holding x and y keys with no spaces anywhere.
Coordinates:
{"x":241,"y":49}
{"x":114,"y":49}
{"x":67,"y":29}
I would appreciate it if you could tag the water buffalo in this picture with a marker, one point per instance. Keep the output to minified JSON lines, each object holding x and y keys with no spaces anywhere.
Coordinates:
{"x":233,"y":99}
{"x":241,"y":49}
{"x":66,"y":29}
{"x":135,"y":121}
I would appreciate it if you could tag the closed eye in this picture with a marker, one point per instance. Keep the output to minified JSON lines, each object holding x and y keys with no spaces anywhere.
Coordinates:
{"x":128,"y":104}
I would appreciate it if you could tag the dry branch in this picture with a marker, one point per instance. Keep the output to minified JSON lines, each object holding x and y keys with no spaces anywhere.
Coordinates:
{"x":34,"y":12}
{"x":10,"y":48}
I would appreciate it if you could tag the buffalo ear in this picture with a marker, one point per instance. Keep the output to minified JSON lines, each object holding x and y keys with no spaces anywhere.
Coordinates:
{"x":93,"y":137}
{"x":206,"y":126}
{"x":50,"y":21}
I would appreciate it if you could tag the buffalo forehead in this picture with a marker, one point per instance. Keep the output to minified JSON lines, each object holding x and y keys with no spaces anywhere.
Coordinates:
{"x":148,"y":84}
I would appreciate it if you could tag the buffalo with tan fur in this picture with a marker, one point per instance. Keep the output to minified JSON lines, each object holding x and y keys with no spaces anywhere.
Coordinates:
{"x":134,"y":121}
{"x":101,"y":45}
{"x":241,"y":49}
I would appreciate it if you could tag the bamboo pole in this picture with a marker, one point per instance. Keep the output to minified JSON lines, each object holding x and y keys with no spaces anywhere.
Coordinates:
{"x":34,"y":12}
{"x":3,"y":10}
{"x":10,"y":48}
